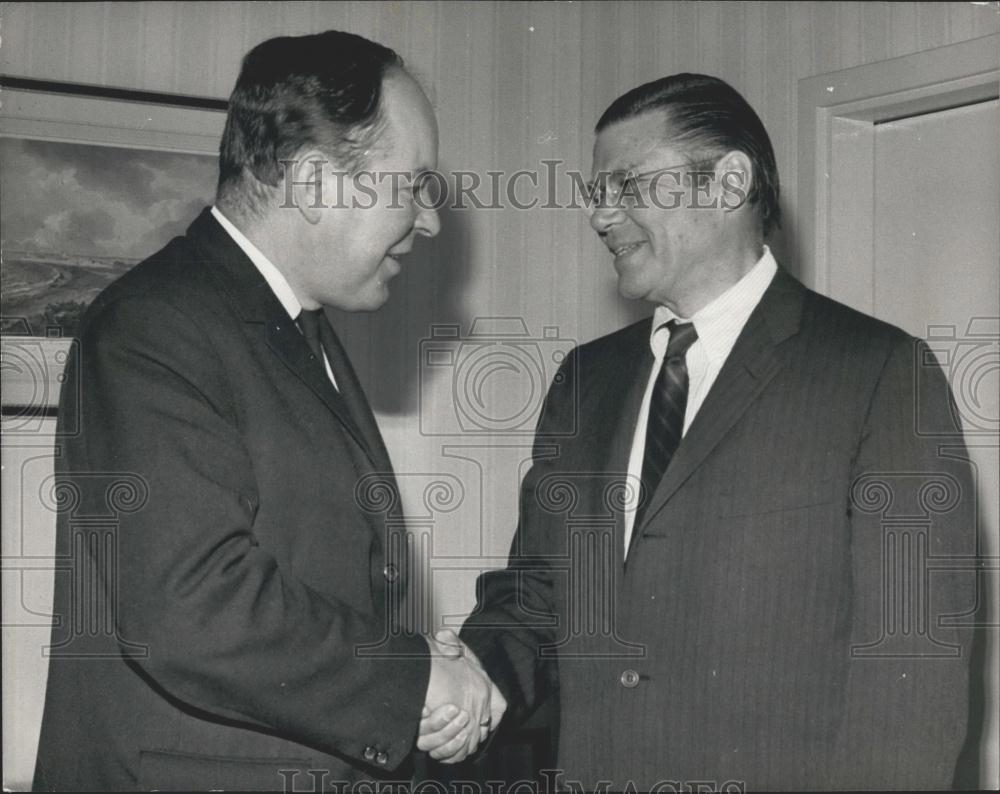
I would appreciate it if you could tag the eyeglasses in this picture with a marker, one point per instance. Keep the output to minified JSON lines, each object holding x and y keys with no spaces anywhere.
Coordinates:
{"x":621,"y":188}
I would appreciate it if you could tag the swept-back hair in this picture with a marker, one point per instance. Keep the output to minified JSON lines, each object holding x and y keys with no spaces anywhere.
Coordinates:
{"x":706,"y":117}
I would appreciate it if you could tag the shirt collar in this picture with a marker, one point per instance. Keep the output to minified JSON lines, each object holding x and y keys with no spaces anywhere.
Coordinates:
{"x":720,"y":322}
{"x":274,"y":277}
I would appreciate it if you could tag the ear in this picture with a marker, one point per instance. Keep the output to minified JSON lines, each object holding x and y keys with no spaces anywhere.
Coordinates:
{"x":311,"y":185}
{"x":736,"y":175}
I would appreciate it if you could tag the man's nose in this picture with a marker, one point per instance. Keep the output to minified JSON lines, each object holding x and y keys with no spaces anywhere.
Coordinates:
{"x":428,"y":223}
{"x":604,"y":216}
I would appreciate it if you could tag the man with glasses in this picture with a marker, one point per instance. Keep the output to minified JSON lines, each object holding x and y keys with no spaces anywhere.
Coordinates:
{"x":715,"y":574}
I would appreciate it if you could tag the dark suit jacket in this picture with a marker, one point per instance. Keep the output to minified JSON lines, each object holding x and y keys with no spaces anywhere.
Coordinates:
{"x":782,"y":618}
{"x":226,"y":607}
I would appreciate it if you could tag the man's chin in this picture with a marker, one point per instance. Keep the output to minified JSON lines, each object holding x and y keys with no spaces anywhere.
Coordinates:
{"x":378,"y":299}
{"x":630,"y":290}
{"x":372,"y":305}
{"x":371,"y":301}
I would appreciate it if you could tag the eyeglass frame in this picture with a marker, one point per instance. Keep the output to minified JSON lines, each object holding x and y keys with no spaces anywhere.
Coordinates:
{"x":594,"y":189}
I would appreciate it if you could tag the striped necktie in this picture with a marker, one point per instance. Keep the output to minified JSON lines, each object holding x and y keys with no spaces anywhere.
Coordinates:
{"x":665,"y":424}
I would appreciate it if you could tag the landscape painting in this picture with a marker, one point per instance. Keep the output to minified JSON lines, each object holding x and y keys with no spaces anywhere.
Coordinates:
{"x":74,"y":217}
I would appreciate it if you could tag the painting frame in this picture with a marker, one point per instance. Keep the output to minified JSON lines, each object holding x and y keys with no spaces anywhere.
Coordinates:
{"x":42,"y":110}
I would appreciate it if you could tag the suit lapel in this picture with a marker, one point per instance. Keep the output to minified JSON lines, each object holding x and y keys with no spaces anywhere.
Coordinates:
{"x":352,"y":395}
{"x":254,"y":301}
{"x":751,"y":365}
{"x":285,"y":341}
{"x":615,"y":413}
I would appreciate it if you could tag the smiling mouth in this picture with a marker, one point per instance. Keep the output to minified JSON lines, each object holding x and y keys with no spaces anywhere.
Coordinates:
{"x":627,"y":248}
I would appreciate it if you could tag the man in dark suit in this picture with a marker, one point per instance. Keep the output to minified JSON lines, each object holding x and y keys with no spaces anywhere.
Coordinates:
{"x":741,"y":569}
{"x":228,"y":616}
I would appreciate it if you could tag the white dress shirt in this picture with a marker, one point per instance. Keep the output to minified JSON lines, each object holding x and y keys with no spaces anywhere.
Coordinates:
{"x":718,"y":325}
{"x":275,"y":278}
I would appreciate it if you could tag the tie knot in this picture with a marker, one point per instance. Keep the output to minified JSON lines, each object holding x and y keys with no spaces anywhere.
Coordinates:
{"x":682,"y":336}
{"x":308,"y":322}
{"x":309,"y":319}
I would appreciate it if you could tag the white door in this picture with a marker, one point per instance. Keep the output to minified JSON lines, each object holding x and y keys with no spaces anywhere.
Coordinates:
{"x":899,"y":215}
{"x":937,"y":275}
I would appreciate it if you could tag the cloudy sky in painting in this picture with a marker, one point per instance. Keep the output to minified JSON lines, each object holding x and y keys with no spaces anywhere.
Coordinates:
{"x":103,"y":201}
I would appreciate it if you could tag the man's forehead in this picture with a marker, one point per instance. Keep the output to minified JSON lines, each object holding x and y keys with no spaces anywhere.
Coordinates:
{"x":627,"y":143}
{"x":410,"y":132}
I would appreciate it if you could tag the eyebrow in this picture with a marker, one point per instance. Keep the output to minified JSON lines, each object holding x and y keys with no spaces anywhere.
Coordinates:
{"x":632,"y":168}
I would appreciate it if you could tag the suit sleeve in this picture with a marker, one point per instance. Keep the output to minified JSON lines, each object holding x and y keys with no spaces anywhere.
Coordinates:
{"x":512,"y":618}
{"x":228,"y":631}
{"x":913,"y":539}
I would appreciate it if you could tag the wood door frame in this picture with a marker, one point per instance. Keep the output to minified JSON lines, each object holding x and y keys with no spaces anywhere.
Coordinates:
{"x":837,"y":115}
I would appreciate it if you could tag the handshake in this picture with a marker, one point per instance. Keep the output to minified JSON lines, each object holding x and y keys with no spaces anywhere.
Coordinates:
{"x":462,"y":704}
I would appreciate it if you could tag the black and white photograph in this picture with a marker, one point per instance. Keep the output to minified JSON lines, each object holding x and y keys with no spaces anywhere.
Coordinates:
{"x":500,"y":396}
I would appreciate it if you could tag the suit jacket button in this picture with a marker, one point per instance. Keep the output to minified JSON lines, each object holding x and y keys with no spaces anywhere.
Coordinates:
{"x":381,"y":759}
{"x":369,"y":754}
{"x":630,"y":679}
{"x":390,"y":572}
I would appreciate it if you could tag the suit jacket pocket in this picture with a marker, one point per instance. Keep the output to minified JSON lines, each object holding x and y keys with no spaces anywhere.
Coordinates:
{"x":162,"y":770}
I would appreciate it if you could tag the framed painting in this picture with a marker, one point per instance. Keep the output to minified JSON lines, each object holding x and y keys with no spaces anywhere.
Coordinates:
{"x":93,"y":180}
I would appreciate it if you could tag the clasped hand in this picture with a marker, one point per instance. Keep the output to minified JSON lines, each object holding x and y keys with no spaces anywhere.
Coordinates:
{"x":462,"y":705}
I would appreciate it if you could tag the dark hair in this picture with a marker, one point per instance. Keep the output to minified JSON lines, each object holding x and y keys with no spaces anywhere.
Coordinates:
{"x":708,"y":117}
{"x":321,"y":90}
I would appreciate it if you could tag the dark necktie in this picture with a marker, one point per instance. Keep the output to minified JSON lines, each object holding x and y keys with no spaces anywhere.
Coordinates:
{"x":666,"y":413}
{"x":320,"y":337}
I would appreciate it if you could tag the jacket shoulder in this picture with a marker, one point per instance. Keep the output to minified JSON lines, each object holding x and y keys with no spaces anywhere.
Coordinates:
{"x":831,"y":322}
{"x":174,"y":280}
